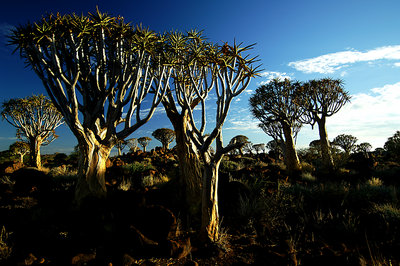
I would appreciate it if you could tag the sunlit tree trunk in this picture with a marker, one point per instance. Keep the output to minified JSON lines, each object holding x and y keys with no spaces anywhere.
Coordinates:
{"x":92,"y":169}
{"x":210,"y":215}
{"x":291,"y":158}
{"x":325,"y":146}
{"x":35,"y":159}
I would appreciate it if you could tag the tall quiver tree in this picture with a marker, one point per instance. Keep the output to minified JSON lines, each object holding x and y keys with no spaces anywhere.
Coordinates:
{"x":224,"y":70}
{"x":321,"y":99}
{"x":276,"y":105}
{"x":97,"y":70}
{"x":36,"y":119}
{"x":178,"y":109}
{"x":165,"y":136}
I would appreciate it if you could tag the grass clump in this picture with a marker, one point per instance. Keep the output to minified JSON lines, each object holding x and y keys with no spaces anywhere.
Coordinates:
{"x":5,"y":246}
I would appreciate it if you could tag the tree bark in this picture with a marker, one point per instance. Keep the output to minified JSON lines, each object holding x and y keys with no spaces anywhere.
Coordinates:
{"x":190,"y":170}
{"x":34,"y":147}
{"x":92,"y":169}
{"x":291,"y":158}
{"x":209,"y":210}
{"x":325,"y":146}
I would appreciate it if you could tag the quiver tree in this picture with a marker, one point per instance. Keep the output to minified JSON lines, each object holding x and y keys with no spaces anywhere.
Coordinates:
{"x":165,"y":136}
{"x":276,"y":105}
{"x":21,"y":148}
{"x":392,"y":146}
{"x":132,"y":144}
{"x":275,"y":147}
{"x":36,"y":119}
{"x":240,"y":141}
{"x":321,"y":99}
{"x":364,"y":148}
{"x":144,"y":142}
{"x":223,"y":70}
{"x":97,"y":70}
{"x":120,"y":145}
{"x":346,"y":142}
{"x":184,"y":48}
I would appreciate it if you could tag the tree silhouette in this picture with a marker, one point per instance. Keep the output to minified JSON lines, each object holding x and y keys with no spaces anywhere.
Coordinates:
{"x":36,"y":119}
{"x":165,"y":136}
{"x":321,"y":99}
{"x":392,"y":146}
{"x":276,"y":105}
{"x":144,"y":142}
{"x":364,"y":147}
{"x":346,"y":142}
{"x":97,"y":70}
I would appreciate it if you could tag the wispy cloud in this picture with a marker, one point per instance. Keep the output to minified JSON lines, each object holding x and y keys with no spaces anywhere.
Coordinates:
{"x":329,"y":63}
{"x":270,"y":75}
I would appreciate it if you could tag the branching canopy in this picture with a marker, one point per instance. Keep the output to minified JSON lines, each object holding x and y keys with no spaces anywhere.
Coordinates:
{"x":34,"y":117}
{"x":322,"y":98}
{"x":97,"y":69}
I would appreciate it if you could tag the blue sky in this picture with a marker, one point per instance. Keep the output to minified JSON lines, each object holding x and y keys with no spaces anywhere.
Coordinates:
{"x":356,"y":41}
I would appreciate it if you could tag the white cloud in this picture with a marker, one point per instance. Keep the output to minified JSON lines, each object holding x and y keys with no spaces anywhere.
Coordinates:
{"x":329,"y":63}
{"x":270,"y":75}
{"x":371,"y":117}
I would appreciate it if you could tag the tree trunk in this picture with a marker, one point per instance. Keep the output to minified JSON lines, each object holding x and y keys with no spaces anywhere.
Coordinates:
{"x":119,"y":152}
{"x":189,"y":163}
{"x":92,"y":169}
{"x":291,"y":158}
{"x":34,"y":147}
{"x":21,"y":157}
{"x":209,"y":209}
{"x":325,"y":146}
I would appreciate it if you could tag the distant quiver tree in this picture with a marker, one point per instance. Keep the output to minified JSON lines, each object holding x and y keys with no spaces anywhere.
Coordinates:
{"x":165,"y":136}
{"x":323,"y":98}
{"x":36,"y":119}
{"x":346,"y":142}
{"x":21,"y":148}
{"x":97,"y":70}
{"x":144,"y":142}
{"x":277,"y":105}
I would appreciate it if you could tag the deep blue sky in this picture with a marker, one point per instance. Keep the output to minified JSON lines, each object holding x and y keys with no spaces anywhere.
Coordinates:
{"x":357,"y":41}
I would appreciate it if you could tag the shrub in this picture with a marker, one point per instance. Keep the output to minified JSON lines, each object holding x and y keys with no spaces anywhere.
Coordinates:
{"x":230,"y":166}
{"x":138,"y":167}
{"x":5,"y":247}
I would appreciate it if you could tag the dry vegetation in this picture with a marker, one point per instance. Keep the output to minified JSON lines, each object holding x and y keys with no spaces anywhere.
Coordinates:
{"x":348,"y":217}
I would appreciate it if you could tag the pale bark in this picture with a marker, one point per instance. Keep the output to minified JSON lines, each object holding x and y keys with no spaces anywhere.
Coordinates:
{"x":325,"y":146}
{"x":291,"y":158}
{"x":34,"y":144}
{"x":210,"y":215}
{"x":189,"y":161}
{"x":92,"y":169}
